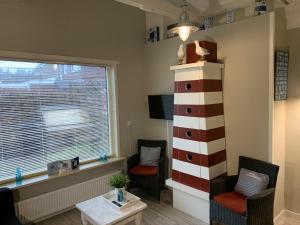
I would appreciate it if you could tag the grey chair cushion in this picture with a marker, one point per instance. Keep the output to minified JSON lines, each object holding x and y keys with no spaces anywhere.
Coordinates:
{"x":251,"y":182}
{"x":149,"y":156}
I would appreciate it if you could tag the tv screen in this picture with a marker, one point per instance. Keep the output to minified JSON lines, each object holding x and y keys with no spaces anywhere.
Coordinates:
{"x":161,"y":106}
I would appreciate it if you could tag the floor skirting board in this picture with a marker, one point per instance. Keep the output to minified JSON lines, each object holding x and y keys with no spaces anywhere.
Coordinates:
{"x":284,"y":215}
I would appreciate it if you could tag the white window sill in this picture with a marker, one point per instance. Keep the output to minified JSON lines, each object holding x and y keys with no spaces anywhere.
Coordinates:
{"x":42,"y":178}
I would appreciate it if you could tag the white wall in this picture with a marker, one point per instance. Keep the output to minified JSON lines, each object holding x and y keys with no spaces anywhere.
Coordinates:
{"x":244,"y":48}
{"x":279,"y":118}
{"x":292,"y":173}
{"x":154,"y":20}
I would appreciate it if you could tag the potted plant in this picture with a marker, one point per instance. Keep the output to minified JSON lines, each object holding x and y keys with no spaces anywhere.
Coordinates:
{"x":119,"y":182}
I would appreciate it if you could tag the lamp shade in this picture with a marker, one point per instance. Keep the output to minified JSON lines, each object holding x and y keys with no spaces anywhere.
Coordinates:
{"x":184,"y":27}
{"x":184,"y":31}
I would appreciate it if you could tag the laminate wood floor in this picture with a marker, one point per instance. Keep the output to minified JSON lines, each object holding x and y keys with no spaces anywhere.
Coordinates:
{"x":159,"y":213}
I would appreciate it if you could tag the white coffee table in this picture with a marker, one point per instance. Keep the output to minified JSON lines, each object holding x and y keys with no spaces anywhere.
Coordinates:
{"x":97,"y":211}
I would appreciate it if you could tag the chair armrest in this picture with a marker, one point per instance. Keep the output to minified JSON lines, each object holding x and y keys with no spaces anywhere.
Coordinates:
{"x":7,"y":208}
{"x":222,"y":185}
{"x":260,"y":206}
{"x":132,"y":161}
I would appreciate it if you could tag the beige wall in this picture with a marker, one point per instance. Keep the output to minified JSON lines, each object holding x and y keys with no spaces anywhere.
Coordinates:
{"x":244,"y":48}
{"x":278,"y":156}
{"x":279,"y":122}
{"x":292,"y":187}
{"x":102,"y":29}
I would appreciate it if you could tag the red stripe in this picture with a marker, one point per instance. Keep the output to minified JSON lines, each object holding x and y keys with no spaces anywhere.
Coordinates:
{"x":199,"y":110}
{"x":199,"y":135}
{"x":192,"y":181}
{"x":198,"y":86}
{"x":199,"y":159}
{"x":175,"y":175}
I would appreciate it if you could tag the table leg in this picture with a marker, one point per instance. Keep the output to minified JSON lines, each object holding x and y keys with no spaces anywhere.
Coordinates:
{"x":138,"y":218}
{"x":83,"y":219}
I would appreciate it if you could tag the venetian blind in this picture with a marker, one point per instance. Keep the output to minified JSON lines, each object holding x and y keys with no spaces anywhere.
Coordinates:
{"x":51,"y":112}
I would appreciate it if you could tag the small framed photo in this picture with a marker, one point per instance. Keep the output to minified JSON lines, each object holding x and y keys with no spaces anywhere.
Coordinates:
{"x":153,"y":35}
{"x":62,"y":166}
{"x":75,"y":163}
{"x":53,"y":168}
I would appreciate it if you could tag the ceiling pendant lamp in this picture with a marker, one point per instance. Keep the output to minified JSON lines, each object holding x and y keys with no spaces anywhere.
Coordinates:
{"x":184,"y":27}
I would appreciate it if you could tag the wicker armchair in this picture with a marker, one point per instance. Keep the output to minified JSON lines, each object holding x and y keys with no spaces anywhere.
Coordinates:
{"x":259,"y":208}
{"x":7,"y":208}
{"x":148,"y":177}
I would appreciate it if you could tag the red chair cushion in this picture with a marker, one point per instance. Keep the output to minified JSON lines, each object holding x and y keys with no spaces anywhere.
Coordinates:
{"x":232,"y":200}
{"x":144,"y":170}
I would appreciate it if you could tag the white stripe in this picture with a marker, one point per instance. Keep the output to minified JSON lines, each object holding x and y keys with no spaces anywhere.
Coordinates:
{"x":200,"y":123}
{"x":205,"y":148}
{"x":212,"y":172}
{"x":187,"y":168}
{"x":207,"y":173}
{"x":198,"y":74}
{"x":198,"y":98}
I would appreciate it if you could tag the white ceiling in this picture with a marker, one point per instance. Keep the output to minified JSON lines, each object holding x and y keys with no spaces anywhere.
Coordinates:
{"x":197,"y":8}
{"x":211,"y":7}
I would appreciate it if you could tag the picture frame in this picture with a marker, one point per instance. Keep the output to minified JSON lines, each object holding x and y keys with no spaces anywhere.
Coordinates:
{"x":281,"y":75}
{"x":62,"y":166}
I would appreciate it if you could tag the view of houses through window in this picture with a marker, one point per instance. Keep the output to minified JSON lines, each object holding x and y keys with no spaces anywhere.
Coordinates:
{"x":51,"y":112}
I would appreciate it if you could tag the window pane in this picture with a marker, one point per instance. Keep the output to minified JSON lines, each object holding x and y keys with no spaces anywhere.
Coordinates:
{"x":51,"y":112}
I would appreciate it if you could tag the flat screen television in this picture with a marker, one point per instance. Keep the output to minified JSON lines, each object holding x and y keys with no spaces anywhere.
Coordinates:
{"x":161,"y":106}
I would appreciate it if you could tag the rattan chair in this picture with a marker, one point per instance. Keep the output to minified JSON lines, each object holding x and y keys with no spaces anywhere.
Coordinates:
{"x":259,"y":208}
{"x":148,"y":177}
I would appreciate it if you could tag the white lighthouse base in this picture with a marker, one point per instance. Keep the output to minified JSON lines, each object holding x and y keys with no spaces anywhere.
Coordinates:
{"x":190,"y":200}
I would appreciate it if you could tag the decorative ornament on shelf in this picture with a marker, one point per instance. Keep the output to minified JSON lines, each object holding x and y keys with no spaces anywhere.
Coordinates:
{"x":230,"y":16}
{"x":202,"y":52}
{"x":184,"y":27}
{"x":181,"y":55}
{"x":153,"y":35}
{"x":260,"y":7}
{"x":208,"y":22}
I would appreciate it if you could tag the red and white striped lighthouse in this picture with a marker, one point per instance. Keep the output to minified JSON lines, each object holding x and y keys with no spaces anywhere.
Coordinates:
{"x":199,"y":151}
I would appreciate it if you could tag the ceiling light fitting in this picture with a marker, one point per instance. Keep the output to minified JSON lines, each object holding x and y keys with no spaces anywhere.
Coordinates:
{"x":184,"y":27}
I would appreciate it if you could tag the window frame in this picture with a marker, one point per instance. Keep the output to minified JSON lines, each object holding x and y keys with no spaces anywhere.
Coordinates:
{"x":111,"y":72}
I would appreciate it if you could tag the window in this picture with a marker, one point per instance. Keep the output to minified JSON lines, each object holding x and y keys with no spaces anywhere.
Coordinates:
{"x":52,"y":112}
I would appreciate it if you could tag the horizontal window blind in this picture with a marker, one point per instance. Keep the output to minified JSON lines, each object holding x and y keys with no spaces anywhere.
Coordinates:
{"x":51,"y":112}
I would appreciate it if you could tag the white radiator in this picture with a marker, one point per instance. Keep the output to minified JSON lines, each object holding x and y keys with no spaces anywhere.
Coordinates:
{"x":50,"y":203}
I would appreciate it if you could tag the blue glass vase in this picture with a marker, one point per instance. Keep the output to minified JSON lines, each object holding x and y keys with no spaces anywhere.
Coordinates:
{"x":18,"y":176}
{"x":103,"y":157}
